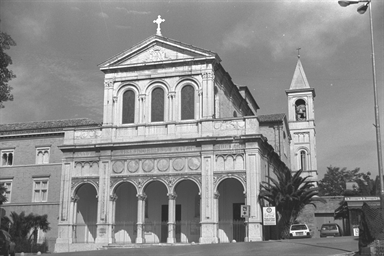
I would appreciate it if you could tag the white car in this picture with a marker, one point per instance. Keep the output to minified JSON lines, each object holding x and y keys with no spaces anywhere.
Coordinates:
{"x":299,"y":230}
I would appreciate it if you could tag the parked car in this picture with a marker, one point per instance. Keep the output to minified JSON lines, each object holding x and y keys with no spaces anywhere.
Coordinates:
{"x":7,"y":246}
{"x":299,"y":230}
{"x":330,"y":229}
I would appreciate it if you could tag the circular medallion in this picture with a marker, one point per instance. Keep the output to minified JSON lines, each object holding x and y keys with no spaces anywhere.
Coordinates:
{"x":163,"y":165}
{"x":194,"y":163}
{"x":118,"y":167}
{"x":148,"y":165}
{"x":178,"y":164}
{"x":133,"y":166}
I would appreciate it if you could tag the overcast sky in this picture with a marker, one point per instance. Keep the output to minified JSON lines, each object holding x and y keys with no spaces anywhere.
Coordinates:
{"x":60,"y":44}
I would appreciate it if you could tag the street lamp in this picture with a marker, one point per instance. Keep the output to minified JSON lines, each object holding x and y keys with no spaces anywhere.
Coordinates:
{"x":362,"y":9}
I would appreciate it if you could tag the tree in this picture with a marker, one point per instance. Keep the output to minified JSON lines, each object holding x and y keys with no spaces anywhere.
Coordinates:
{"x":335,"y":181}
{"x":36,"y":222}
{"x":24,"y":229}
{"x":5,"y":74}
{"x":368,"y":186}
{"x":289,"y":193}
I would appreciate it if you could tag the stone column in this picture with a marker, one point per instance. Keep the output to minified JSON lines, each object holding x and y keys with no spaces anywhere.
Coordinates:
{"x":112,"y":219}
{"x":200,"y":111}
{"x":142,"y":109}
{"x":171,"y":106}
{"x":73,"y":218}
{"x":171,"y":239}
{"x":140,"y":217}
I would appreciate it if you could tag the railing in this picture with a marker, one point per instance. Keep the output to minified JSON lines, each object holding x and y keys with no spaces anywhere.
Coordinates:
{"x":157,"y":232}
{"x":231,"y":230}
{"x":84,"y":233}
{"x":166,"y":130}
{"x":125,"y":232}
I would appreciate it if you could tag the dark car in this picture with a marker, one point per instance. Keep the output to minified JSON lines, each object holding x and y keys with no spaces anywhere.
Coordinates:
{"x":330,"y":229}
{"x":7,"y":247}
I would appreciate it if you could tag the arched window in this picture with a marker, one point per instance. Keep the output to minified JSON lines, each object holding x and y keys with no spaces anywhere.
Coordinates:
{"x":187,"y":102}
{"x":129,"y":107}
{"x":157,"y":105}
{"x":301,"y":111}
{"x":303,"y":160}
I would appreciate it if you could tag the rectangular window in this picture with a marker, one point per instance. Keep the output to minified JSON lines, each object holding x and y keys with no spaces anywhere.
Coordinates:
{"x":42,"y":155}
{"x":40,"y":190}
{"x":7,"y":157}
{"x":8,"y":185}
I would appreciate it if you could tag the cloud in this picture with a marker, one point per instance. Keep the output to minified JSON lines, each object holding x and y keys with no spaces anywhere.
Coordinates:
{"x":134,"y":12}
{"x":318,"y":26}
{"x":74,"y":8}
{"x":35,"y":29}
{"x":102,"y":15}
{"x":122,"y":27}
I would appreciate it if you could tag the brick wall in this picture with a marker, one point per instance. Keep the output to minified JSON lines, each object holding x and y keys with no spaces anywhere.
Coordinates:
{"x":23,"y":172}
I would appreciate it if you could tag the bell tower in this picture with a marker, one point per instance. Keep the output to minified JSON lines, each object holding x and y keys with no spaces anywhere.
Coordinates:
{"x":301,"y":121}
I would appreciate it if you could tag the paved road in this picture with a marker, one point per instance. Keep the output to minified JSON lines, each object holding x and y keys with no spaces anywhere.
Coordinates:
{"x":297,"y":247}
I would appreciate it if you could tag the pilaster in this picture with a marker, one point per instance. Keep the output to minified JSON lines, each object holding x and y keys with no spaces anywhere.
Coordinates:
{"x":253,"y":173}
{"x":103,"y":227}
{"x":208,"y":94}
{"x":208,"y":224}
{"x":108,"y":102}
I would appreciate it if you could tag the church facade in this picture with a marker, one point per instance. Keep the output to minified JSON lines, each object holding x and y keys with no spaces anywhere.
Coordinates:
{"x":181,"y":148}
{"x":179,"y":152}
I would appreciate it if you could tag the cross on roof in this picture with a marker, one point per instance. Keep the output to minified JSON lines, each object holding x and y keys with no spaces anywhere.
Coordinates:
{"x":158,"y":22}
{"x":298,"y":52}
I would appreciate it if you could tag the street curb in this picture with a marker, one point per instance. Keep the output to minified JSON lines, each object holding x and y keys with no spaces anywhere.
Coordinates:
{"x":344,"y":254}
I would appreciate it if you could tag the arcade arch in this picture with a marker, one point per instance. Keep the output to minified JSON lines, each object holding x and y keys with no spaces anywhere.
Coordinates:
{"x":230,"y":197}
{"x":85,"y":208}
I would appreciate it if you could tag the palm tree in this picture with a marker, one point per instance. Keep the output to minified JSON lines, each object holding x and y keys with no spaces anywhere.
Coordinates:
{"x":19,"y":228}
{"x":36,"y":222}
{"x":24,"y":228}
{"x":289,"y":193}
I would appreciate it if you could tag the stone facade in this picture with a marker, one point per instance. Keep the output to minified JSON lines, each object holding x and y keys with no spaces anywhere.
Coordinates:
{"x":179,"y":150}
{"x":174,"y":170}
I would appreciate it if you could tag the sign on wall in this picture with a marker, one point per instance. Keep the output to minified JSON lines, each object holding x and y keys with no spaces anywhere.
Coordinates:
{"x":269,"y":216}
{"x":244,"y":211}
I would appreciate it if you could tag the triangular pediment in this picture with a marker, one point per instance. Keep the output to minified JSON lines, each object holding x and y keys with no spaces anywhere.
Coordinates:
{"x":156,"y":50}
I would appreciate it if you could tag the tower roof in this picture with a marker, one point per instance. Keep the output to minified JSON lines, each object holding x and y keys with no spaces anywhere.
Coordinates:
{"x":299,"y":80}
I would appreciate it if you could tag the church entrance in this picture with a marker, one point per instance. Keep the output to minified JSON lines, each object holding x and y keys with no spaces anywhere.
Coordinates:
{"x":188,"y":197}
{"x":231,"y":197}
{"x":86,"y":214}
{"x":238,"y":223}
{"x":125,"y":228}
{"x":156,"y":193}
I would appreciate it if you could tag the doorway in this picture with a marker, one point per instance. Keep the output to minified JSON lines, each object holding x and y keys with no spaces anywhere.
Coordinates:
{"x":238,"y":223}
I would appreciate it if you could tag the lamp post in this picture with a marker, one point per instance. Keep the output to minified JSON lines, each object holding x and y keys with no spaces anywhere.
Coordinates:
{"x":362,"y":9}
